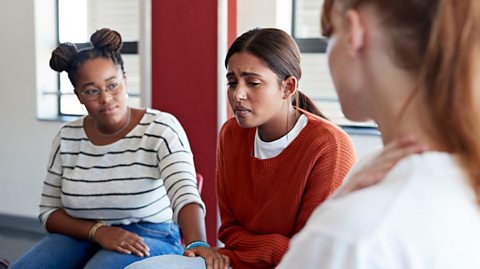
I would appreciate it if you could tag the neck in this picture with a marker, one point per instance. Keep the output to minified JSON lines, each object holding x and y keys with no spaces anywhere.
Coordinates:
{"x":114,"y":132}
{"x":280,"y":125}
{"x":401,"y":110}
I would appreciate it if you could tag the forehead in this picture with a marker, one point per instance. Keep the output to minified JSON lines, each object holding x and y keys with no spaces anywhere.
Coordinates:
{"x":246,"y":62}
{"x":98,"y":69}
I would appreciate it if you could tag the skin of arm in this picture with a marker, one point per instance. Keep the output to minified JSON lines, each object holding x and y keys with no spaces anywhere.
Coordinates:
{"x":192,"y":224}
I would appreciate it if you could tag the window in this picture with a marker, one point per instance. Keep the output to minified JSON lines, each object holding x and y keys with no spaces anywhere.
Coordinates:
{"x":77,"y":20}
{"x":316,"y":81}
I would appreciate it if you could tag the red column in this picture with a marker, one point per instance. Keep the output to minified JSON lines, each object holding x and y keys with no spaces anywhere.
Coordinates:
{"x":184,"y":81}
{"x":232,"y":34}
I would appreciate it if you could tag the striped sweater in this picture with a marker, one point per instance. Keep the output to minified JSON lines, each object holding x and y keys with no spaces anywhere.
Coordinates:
{"x":263,"y":203}
{"x":148,"y":175}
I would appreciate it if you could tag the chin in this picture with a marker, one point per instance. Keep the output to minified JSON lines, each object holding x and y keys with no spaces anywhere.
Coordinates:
{"x":243,"y":123}
{"x":355,"y":116}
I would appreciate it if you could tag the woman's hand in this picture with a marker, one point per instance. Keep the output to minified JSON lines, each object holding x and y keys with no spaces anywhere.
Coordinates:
{"x":120,"y":240}
{"x":376,"y":169}
{"x":213,"y":259}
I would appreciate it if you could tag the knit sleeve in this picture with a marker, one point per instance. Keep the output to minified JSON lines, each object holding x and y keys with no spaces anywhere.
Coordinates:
{"x":176,"y":166}
{"x":256,"y":250}
{"x":50,"y":200}
{"x":335,"y":159}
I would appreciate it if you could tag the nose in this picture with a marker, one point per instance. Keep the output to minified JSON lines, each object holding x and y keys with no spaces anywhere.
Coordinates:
{"x":104,"y":96}
{"x":240,"y":94}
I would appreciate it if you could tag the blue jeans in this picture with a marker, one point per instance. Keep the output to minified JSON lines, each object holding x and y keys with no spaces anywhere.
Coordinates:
{"x":61,"y":251}
{"x":169,"y":262}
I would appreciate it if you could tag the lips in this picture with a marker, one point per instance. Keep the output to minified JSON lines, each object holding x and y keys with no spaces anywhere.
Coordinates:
{"x":108,"y":110}
{"x":241,"y":111}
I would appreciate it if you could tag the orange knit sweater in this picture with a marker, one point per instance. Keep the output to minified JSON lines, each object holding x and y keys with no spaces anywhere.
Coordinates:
{"x":263,"y":203}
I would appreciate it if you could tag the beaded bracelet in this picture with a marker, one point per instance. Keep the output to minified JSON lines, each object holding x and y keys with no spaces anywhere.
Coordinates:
{"x":93,"y":230}
{"x":198,"y":243}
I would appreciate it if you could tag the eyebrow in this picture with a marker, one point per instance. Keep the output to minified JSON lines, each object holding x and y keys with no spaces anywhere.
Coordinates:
{"x":243,"y":74}
{"x":92,"y":83}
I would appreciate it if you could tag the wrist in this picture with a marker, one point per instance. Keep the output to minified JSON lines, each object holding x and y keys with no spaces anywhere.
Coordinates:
{"x":196,"y":243}
{"x":93,"y":231}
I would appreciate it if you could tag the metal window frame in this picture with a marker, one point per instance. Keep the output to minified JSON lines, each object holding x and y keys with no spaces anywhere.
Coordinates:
{"x":307,"y":45}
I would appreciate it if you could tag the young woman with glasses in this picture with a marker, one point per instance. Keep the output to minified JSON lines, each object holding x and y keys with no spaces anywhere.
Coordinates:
{"x":119,"y":179}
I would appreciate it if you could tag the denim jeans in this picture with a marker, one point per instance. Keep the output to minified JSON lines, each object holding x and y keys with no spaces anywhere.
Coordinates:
{"x":61,"y":251}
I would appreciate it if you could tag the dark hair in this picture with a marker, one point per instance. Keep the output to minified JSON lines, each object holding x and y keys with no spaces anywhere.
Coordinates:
{"x":439,"y":41}
{"x":106,"y":44}
{"x":280,"y":52}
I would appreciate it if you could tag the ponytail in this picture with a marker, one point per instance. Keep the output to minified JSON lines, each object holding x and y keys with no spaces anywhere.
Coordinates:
{"x":302,"y":101}
{"x":448,"y":77}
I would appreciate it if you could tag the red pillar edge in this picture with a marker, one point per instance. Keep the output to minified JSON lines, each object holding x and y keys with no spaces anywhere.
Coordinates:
{"x":231,"y":35}
{"x":184,"y":82}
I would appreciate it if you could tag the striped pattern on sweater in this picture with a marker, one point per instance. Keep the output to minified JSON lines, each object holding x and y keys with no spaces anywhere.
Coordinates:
{"x":148,"y":175}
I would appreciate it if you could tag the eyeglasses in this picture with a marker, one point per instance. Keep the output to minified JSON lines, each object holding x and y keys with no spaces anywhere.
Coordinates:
{"x":92,"y":94}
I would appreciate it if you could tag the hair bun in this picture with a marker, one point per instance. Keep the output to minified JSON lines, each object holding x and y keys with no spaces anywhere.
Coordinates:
{"x":106,"y":39}
{"x":62,"y":57}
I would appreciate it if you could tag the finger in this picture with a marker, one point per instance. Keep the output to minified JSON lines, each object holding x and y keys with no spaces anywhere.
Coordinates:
{"x":189,"y":253}
{"x":398,"y":144}
{"x":122,"y":248}
{"x":209,"y":262}
{"x":141,"y":247}
{"x":396,"y":155}
{"x":226,"y":261}
{"x":218,"y":261}
{"x":391,"y":155}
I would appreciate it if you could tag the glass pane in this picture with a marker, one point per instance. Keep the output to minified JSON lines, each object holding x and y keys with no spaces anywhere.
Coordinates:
{"x":307,"y":18}
{"x":78,"y":19}
{"x":317,"y":84}
{"x":72,"y":21}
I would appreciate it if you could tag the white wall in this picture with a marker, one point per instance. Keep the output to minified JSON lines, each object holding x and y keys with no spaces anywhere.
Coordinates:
{"x":24,"y":140}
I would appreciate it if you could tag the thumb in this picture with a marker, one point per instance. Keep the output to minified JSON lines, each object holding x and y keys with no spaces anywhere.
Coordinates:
{"x":189,"y":253}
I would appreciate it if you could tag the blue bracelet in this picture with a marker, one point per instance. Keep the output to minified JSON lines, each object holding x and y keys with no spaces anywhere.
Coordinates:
{"x":195,"y":244}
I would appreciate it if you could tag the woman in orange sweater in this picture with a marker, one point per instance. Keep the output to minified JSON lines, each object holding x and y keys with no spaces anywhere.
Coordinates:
{"x":277,"y":160}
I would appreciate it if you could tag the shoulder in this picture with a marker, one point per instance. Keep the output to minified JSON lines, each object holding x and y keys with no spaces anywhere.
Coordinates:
{"x":157,"y":121}
{"x":74,"y":127}
{"x":326,"y":137}
{"x":74,"y":124}
{"x":153,"y":115}
{"x":400,"y":195}
{"x":326,"y":129}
